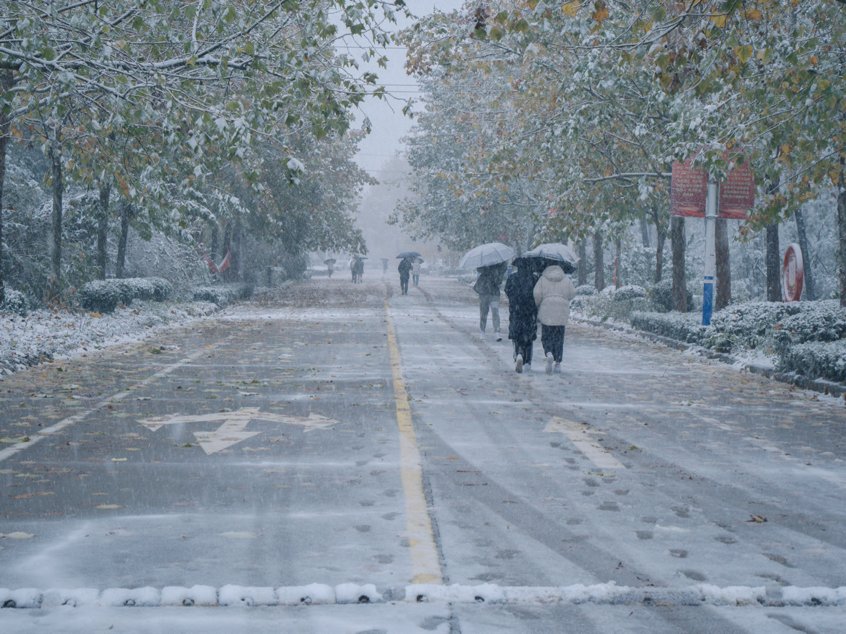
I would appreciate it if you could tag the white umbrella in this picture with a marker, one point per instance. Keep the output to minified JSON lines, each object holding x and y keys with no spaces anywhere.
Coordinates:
{"x":553,"y":251}
{"x":486,"y":255}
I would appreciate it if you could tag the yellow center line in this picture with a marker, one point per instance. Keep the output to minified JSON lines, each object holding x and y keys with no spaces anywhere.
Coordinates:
{"x":426,"y":567}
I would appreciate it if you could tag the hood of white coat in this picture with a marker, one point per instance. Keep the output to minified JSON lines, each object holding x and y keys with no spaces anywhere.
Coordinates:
{"x":554,"y":273}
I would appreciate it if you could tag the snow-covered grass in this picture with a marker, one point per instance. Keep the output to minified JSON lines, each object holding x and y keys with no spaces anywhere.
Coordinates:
{"x":44,"y":334}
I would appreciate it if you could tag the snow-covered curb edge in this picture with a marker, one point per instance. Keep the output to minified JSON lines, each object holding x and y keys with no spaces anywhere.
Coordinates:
{"x":351,"y":593}
{"x":816,"y":385}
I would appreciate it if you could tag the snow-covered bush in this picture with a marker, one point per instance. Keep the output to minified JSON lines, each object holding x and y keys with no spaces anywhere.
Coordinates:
{"x":585,"y":289}
{"x":748,"y":325}
{"x":679,"y":326}
{"x":162,"y":289}
{"x":101,"y":296}
{"x":605,"y":305}
{"x":222,"y":294}
{"x":816,"y":321}
{"x":15,"y":302}
{"x":661,"y":295}
{"x":626,"y":293}
{"x":104,"y":295}
{"x":823,"y":359}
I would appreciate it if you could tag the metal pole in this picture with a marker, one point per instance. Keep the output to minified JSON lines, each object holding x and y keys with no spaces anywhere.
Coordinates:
{"x":710,"y":251}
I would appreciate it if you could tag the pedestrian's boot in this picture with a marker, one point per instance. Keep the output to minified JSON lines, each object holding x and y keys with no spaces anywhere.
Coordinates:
{"x":549,"y":362}
{"x":518,"y":366}
{"x":557,"y":368}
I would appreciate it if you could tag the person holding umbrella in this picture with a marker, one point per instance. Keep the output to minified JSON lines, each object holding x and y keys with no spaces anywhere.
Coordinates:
{"x":404,"y":269}
{"x":487,"y":286}
{"x":330,"y":266}
{"x":522,"y":311}
{"x":552,"y":295}
{"x":490,"y":260}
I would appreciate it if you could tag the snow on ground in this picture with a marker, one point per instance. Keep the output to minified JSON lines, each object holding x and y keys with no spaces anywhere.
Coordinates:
{"x":46,"y":334}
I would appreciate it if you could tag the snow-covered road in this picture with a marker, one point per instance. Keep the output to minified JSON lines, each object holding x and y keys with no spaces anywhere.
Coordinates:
{"x":372,"y":444}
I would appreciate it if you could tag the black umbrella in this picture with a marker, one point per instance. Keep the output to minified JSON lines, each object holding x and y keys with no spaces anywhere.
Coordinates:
{"x":408,"y":254}
{"x":329,"y":261}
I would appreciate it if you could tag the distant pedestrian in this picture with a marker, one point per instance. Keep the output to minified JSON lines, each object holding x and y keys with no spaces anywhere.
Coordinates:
{"x":384,"y":266}
{"x":552,"y":294}
{"x":416,"y":266}
{"x":522,"y":312}
{"x":487,"y":286}
{"x":358,"y":275}
{"x":404,"y":269}
{"x":352,"y":268}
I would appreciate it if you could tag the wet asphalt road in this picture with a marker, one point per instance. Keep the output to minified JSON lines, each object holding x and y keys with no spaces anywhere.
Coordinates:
{"x":347,"y":434}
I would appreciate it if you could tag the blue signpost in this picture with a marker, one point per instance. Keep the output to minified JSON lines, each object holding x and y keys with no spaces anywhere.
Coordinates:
{"x":710,"y":274}
{"x":696,"y":194}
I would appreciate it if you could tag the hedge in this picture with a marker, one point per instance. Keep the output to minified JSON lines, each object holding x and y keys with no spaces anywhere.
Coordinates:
{"x":104,"y":295}
{"x":15,"y":302}
{"x":222,"y":294}
{"x":685,"y":327}
{"x":819,"y":359}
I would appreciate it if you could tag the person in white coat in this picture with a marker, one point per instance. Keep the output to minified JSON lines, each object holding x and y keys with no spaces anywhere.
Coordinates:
{"x":553,"y":293}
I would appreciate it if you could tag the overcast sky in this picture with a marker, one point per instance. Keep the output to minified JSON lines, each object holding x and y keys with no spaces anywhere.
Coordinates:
{"x":389,"y":124}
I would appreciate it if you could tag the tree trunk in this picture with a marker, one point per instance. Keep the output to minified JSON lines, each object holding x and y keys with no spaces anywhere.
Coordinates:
{"x":661,"y":239}
{"x":598,"y":262}
{"x":659,"y":256}
{"x":583,"y":262}
{"x":841,"y":224}
{"x":721,"y":239}
{"x":4,"y":141}
{"x":644,"y":231}
{"x":103,"y":228}
{"x":120,"y":264}
{"x":679,"y":281}
{"x":617,"y":253}
{"x":773,"y":261}
{"x":214,"y":245}
{"x":7,"y":81}
{"x":810,"y":288}
{"x":54,"y":284}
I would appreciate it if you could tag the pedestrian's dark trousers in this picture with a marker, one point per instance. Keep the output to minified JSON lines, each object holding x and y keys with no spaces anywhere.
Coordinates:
{"x":552,"y":338}
{"x":404,"y":284}
{"x":524,"y":348}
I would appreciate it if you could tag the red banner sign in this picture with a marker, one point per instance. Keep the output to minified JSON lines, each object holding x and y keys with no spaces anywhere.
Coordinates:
{"x":688,"y":190}
{"x":737,"y":193}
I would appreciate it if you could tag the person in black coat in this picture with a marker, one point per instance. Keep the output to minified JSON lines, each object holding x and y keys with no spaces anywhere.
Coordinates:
{"x":522,"y":311}
{"x":404,"y":269}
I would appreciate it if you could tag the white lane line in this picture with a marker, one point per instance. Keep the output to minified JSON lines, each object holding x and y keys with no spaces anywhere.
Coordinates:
{"x":579,"y":434}
{"x":109,"y":400}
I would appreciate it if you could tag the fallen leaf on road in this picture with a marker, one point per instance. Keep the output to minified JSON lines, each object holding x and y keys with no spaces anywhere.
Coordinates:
{"x":16,"y":535}
{"x":757,"y":519}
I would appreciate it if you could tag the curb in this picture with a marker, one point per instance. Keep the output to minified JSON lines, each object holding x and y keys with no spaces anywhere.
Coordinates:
{"x":822,"y":386}
{"x":350,"y":593}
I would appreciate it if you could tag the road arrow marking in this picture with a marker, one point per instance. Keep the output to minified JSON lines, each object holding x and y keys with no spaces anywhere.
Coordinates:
{"x":232,"y":431}
{"x":579,"y":434}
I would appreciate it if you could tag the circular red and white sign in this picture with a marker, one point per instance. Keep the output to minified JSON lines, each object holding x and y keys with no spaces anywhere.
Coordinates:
{"x":792,"y":274}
